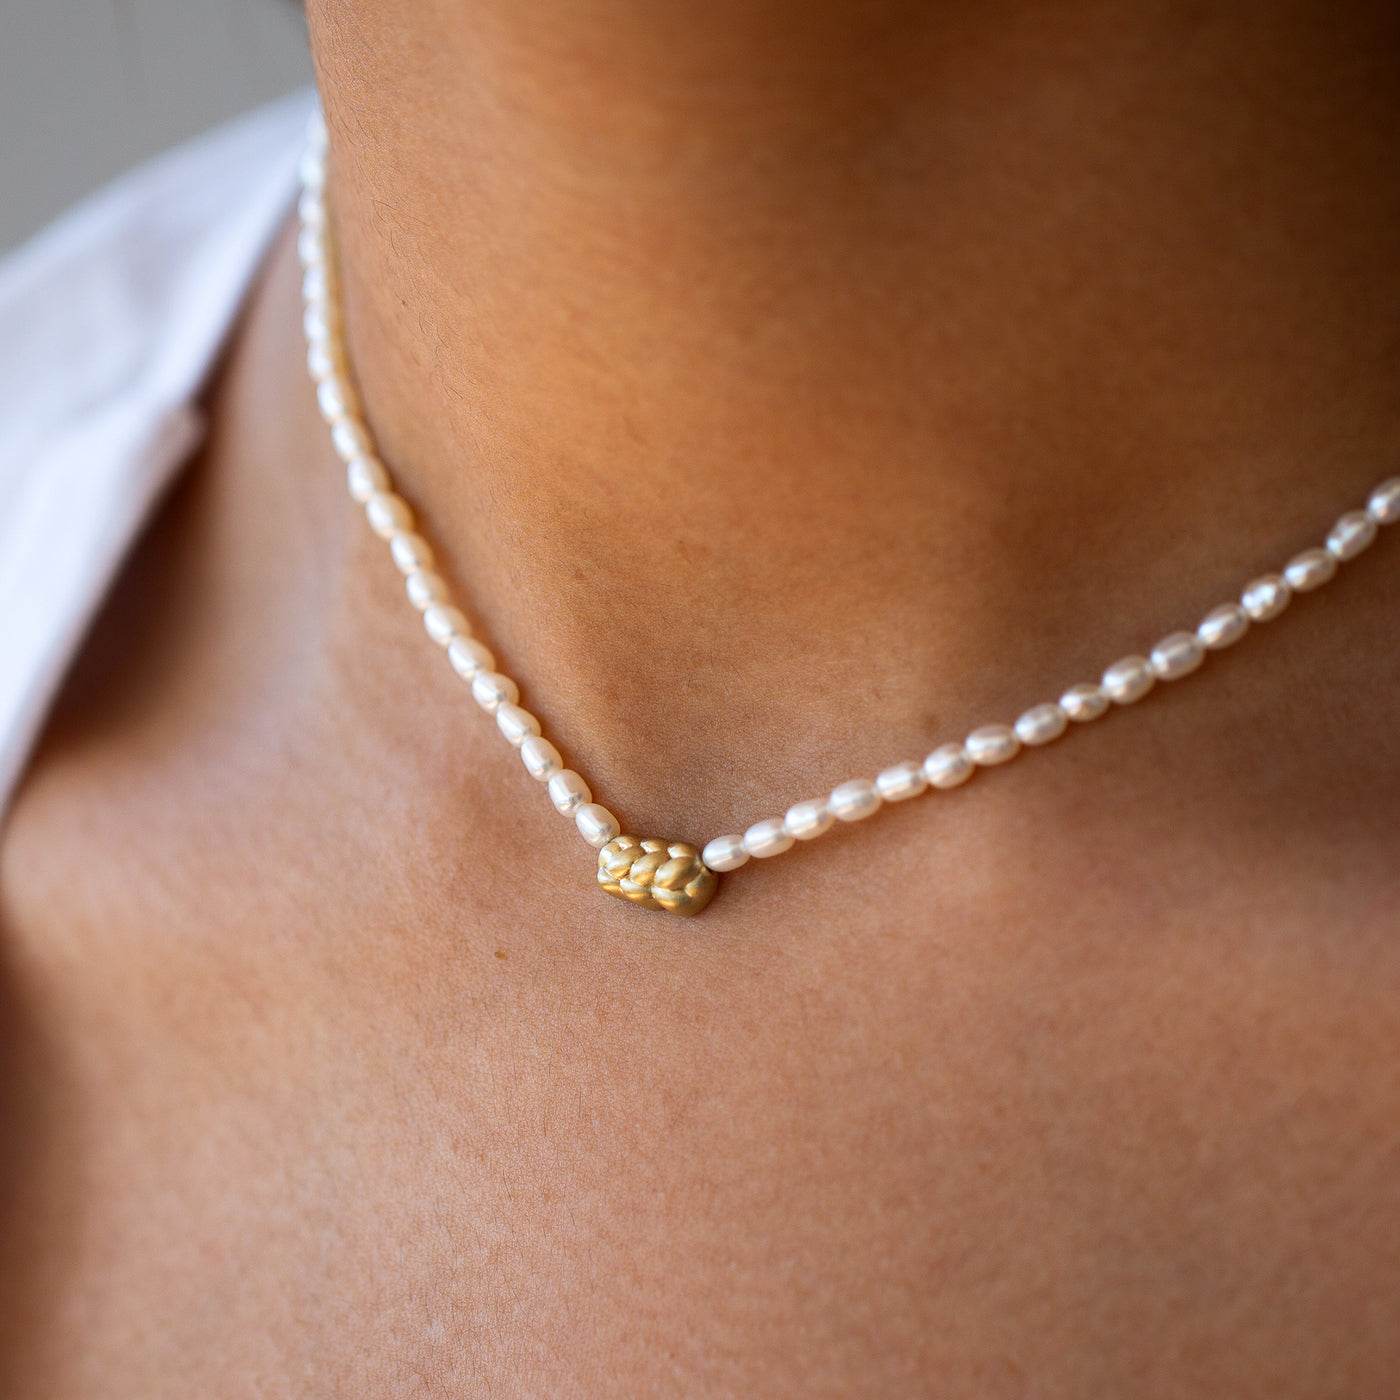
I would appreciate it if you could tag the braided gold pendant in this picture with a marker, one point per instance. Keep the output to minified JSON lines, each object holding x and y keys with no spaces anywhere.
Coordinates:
{"x":657,"y":874}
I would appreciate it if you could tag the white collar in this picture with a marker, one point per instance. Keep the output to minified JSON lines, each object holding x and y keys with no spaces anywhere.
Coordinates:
{"x":110,"y":321}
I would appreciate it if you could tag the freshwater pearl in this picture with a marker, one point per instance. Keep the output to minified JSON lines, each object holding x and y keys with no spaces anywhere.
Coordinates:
{"x":411,"y":552}
{"x":387,"y":514}
{"x":903,"y":781}
{"x":316,"y":280}
{"x":855,"y":800}
{"x":1384,"y":505}
{"x":444,"y":623}
{"x":1177,"y":655}
{"x":311,"y":247}
{"x":311,"y":210}
{"x":312,"y":168}
{"x":568,"y":792}
{"x":351,"y":440}
{"x":335,"y":399}
{"x":596,"y":825}
{"x":424,"y":588}
{"x":1084,"y":702}
{"x":807,"y":820}
{"x":948,"y":766}
{"x":515,"y":724}
{"x":1041,"y":725}
{"x":468,"y":656}
{"x":312,"y":215}
{"x":364,"y":476}
{"x":768,"y":838}
{"x":1310,"y":569}
{"x":1223,"y":626}
{"x":1352,"y":533}
{"x":992,"y":744}
{"x":316,"y":322}
{"x":491,"y":689}
{"x":1266,"y":597}
{"x":541,"y":759}
{"x":725,"y":853}
{"x":322,"y":361}
{"x":1128,"y":680}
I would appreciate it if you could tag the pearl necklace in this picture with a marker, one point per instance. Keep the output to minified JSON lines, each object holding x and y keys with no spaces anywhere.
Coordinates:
{"x":675,"y":875}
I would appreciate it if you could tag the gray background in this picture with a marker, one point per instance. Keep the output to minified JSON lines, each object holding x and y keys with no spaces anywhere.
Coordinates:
{"x":90,"y":87}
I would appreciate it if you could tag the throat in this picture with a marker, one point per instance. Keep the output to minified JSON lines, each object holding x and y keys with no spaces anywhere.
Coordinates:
{"x":863,"y":375}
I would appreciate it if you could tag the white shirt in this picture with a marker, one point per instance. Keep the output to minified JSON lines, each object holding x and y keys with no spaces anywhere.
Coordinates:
{"x":110,"y":321}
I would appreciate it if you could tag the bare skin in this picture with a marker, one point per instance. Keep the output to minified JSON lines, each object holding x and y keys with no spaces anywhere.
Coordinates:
{"x":788,"y":388}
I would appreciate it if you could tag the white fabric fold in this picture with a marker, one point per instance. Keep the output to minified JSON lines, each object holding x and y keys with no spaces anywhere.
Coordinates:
{"x":110,"y":321}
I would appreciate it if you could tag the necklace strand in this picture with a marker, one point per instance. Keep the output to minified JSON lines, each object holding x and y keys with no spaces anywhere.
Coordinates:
{"x":675,"y":875}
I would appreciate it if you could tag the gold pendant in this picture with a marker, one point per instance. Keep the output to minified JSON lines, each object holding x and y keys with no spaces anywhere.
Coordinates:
{"x":657,"y":874}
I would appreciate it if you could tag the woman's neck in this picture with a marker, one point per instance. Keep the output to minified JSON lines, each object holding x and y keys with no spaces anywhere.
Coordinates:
{"x":780,"y":364}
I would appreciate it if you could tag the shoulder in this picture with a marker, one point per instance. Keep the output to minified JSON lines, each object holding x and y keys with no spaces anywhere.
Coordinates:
{"x":110,"y":320}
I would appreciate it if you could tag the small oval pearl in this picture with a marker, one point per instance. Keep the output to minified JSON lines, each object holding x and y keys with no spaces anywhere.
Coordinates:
{"x":322,"y":361}
{"x":491,"y":689}
{"x":725,"y":853}
{"x":411,"y":552}
{"x":1128,"y":680}
{"x":312,"y":167}
{"x":335,"y":400}
{"x":312,"y":214}
{"x":568,"y":792}
{"x":315,"y":321}
{"x":311,"y":209}
{"x":444,"y":623}
{"x":318,"y":323}
{"x":315,"y":288}
{"x":364,"y":476}
{"x":1310,"y":569}
{"x":1084,"y":702}
{"x":350,"y":440}
{"x":1041,"y":724}
{"x":468,"y":656}
{"x":948,"y":766}
{"x":596,"y":825}
{"x":1177,"y":655}
{"x":1223,"y":626}
{"x":424,"y":588}
{"x":992,"y":744}
{"x":855,"y":800}
{"x":515,"y":724}
{"x":311,"y":247}
{"x":903,"y":781}
{"x":1351,"y":534}
{"x":768,"y":838}
{"x":315,"y":285}
{"x":1384,"y":505}
{"x":388,"y":514}
{"x":807,"y":820}
{"x":540,"y":757}
{"x":1266,"y":597}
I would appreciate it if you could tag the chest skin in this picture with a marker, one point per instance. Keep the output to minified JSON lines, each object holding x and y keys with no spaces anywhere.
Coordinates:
{"x":328,"y":1074}
{"x":327,"y":1070}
